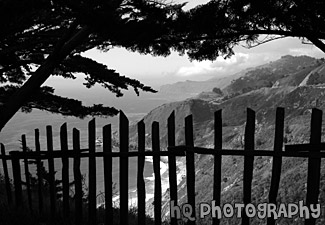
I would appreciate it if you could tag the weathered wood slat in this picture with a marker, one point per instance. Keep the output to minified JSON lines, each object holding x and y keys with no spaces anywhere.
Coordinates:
{"x":172,"y":163}
{"x":65,"y":170}
{"x":314,"y":163}
{"x":306,"y":147}
{"x":6,"y":174}
{"x":177,"y":151}
{"x":124,"y":168}
{"x":39,"y":173}
{"x":312,"y":151}
{"x":190,"y":166}
{"x":49,"y":139}
{"x":248,"y":160}
{"x":77,"y":177}
{"x":27,"y":174}
{"x":156,"y":169}
{"x":108,"y":179}
{"x":217,"y":161}
{"x":180,"y":151}
{"x":17,"y":178}
{"x":277,"y":160}
{"x":92,"y":171}
{"x":141,"y":188}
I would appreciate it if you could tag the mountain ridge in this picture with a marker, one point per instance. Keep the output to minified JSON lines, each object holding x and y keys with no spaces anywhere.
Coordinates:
{"x":241,"y":81}
{"x":296,"y":87}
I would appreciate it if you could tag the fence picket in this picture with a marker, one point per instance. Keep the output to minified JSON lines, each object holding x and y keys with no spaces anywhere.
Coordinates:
{"x":217,"y":161}
{"x":65,"y":170}
{"x":140,"y":179}
{"x":124,"y":168}
{"x":156,"y":169}
{"x":27,"y":174}
{"x":92,"y":171}
{"x":108,"y":179}
{"x":17,"y":177}
{"x":248,"y":161}
{"x":277,"y":159}
{"x":39,"y":173}
{"x":6,"y":174}
{"x":190,"y":166}
{"x":314,"y":163}
{"x":49,"y":139}
{"x":172,"y":163}
{"x":311,"y":151}
{"x":77,"y":177}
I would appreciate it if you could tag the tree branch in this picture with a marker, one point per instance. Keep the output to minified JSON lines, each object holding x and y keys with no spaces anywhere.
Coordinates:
{"x":64,"y":48}
{"x":318,"y":43}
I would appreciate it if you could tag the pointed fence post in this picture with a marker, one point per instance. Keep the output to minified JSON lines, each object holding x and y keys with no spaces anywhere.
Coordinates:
{"x":124,"y":169}
{"x":190,"y":166}
{"x":217,"y":161}
{"x":6,"y":174}
{"x":277,"y":160}
{"x":77,"y":176}
{"x":108,"y":179}
{"x":140,"y":179}
{"x":65,"y":170}
{"x":39,"y":172}
{"x":156,"y":169}
{"x":29,"y":194}
{"x":248,"y":161}
{"x":17,"y":178}
{"x":49,"y":139}
{"x":92,"y":171}
{"x":314,"y":163}
{"x":172,"y":163}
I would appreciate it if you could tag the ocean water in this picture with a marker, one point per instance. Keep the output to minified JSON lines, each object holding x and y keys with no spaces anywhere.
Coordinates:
{"x":134,"y":108}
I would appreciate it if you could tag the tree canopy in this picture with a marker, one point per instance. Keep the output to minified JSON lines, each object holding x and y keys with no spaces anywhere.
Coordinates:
{"x":40,"y":38}
{"x":216,"y":27}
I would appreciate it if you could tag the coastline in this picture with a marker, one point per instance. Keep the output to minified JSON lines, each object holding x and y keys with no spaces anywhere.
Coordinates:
{"x":149,"y":182}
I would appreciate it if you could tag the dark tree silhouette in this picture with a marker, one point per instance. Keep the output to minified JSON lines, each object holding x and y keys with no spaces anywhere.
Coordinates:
{"x":51,"y":35}
{"x":216,"y":27}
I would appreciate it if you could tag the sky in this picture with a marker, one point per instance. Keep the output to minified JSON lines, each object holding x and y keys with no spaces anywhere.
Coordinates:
{"x":161,"y":70}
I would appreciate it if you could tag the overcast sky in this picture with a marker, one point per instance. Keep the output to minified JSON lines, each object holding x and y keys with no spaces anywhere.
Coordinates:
{"x":162,"y":70}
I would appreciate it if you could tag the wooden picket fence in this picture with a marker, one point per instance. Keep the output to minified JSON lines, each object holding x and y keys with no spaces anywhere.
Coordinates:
{"x":312,"y":151}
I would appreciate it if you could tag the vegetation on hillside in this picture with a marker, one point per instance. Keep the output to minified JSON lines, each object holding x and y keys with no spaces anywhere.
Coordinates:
{"x":297,"y":99}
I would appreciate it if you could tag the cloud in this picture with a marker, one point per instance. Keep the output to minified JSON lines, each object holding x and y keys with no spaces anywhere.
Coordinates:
{"x":195,"y":69}
{"x":220,"y":66}
{"x":307,"y":50}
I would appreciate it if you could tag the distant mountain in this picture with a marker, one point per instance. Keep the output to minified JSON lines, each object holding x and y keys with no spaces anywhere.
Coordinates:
{"x":294,"y":83}
{"x":183,"y":90}
{"x":287,"y":71}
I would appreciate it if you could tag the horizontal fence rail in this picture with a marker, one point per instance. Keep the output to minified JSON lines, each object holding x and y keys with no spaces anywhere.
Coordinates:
{"x":314,"y":151}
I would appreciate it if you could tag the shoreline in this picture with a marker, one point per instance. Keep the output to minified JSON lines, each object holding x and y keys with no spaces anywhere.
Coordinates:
{"x":149,"y":182}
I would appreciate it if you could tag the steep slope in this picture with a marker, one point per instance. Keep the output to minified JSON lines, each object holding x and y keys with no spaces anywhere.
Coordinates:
{"x":183,"y":90}
{"x":287,"y":71}
{"x":315,"y":77}
{"x":297,"y":102}
{"x":296,"y":84}
{"x":201,"y":110}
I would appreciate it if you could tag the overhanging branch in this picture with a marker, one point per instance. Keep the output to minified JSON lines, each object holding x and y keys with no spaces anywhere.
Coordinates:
{"x":317,"y":42}
{"x":64,"y":48}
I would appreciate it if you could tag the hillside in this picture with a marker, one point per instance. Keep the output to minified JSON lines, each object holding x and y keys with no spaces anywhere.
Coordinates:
{"x":183,"y":90}
{"x":294,"y":88}
{"x":286,"y":71}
